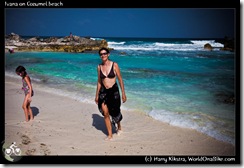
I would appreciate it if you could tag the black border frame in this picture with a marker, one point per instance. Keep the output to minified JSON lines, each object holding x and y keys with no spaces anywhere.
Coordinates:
{"x":139,"y":160}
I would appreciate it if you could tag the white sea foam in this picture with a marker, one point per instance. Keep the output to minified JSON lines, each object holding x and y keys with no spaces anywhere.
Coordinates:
{"x":200,"y":122}
{"x":196,"y":45}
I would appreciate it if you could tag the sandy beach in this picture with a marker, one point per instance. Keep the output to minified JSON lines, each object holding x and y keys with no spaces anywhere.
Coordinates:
{"x":63,"y":126}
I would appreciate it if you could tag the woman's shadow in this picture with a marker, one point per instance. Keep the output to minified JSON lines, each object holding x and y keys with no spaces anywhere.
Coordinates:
{"x":99,"y":124}
{"x":35,"y":111}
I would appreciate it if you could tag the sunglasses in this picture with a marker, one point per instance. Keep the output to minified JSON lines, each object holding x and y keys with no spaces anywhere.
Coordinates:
{"x":103,"y":54}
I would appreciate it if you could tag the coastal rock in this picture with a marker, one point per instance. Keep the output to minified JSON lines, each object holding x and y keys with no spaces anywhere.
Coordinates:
{"x":65,"y":44}
{"x":12,"y":37}
{"x":123,"y":53}
{"x":225,"y":98}
{"x":229,"y":43}
{"x":208,"y":47}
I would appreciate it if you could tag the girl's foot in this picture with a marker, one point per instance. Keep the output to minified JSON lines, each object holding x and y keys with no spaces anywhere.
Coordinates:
{"x":31,"y":117}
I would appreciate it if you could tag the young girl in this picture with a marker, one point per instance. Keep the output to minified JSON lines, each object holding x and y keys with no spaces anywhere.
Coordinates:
{"x":28,"y":90}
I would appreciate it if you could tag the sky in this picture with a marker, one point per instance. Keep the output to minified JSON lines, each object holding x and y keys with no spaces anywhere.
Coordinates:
{"x":122,"y":22}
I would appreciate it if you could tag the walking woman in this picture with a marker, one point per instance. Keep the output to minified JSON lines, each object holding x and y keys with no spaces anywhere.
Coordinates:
{"x":107,"y":94}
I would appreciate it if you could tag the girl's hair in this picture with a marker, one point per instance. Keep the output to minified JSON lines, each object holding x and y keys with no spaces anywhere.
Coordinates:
{"x":20,"y":69}
{"x":103,"y":48}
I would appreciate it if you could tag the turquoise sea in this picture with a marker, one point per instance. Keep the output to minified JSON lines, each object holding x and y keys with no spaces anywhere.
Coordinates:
{"x":172,"y":80}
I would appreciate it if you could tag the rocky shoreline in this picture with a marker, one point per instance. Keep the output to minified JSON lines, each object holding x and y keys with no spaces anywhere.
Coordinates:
{"x":72,"y":43}
{"x":77,"y":44}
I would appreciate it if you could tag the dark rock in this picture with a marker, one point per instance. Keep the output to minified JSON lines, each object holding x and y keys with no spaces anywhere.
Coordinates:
{"x":229,"y":43}
{"x":225,"y":98}
{"x":208,"y":47}
{"x":123,"y":53}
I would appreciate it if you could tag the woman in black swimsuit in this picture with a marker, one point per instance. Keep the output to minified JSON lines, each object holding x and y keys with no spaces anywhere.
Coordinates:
{"x":107,"y":94}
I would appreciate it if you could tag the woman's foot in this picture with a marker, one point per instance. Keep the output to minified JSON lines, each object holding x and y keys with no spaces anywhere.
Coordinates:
{"x":108,"y":139}
{"x":119,"y":132}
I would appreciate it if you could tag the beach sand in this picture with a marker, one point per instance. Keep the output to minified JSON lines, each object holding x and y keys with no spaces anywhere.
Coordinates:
{"x":63,"y":126}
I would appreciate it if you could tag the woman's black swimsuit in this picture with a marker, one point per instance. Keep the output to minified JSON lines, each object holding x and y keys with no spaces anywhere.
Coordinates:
{"x":110,"y":75}
{"x":110,"y":97}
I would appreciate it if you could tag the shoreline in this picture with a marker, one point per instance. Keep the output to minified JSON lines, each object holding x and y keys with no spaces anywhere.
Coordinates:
{"x":80,"y":130}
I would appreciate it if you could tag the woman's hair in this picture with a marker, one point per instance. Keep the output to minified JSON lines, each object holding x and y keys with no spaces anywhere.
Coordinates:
{"x":103,"y":48}
{"x":20,"y":69}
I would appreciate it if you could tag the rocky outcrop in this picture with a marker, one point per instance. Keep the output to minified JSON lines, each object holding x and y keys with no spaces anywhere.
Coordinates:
{"x":65,"y":44}
{"x":208,"y":47}
{"x":229,"y":44}
{"x":226,"y":98}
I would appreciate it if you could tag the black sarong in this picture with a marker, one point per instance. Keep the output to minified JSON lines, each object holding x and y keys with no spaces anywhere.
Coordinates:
{"x":111,"y":98}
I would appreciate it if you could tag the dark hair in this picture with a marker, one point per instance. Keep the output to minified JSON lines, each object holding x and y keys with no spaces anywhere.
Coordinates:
{"x":20,"y":69}
{"x":103,"y":48}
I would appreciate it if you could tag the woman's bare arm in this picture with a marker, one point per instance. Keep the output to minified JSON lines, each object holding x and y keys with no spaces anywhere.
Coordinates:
{"x":98,"y":84}
{"x":121,"y":83}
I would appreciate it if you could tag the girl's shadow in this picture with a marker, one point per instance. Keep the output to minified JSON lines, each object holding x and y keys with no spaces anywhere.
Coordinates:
{"x":35,"y":111}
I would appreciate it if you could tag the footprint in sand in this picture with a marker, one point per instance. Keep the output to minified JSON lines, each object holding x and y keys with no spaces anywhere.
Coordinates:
{"x":30,"y":151}
{"x":25,"y":139}
{"x":45,"y":149}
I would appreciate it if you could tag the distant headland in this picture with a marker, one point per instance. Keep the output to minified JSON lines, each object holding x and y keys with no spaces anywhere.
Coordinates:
{"x":71,"y":43}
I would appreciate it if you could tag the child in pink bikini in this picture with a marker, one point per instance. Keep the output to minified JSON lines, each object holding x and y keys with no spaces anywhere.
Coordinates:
{"x":28,"y":90}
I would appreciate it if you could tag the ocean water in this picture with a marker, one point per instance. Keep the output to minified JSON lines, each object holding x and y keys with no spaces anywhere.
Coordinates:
{"x":172,"y":80}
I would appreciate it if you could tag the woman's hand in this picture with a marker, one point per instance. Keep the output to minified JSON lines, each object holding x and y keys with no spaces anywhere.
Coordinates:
{"x":124,"y":98}
{"x":96,"y":99}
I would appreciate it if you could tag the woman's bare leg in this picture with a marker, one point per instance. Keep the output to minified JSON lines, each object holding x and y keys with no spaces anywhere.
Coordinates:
{"x":119,"y":130}
{"x":107,"y":120}
{"x":119,"y":126}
